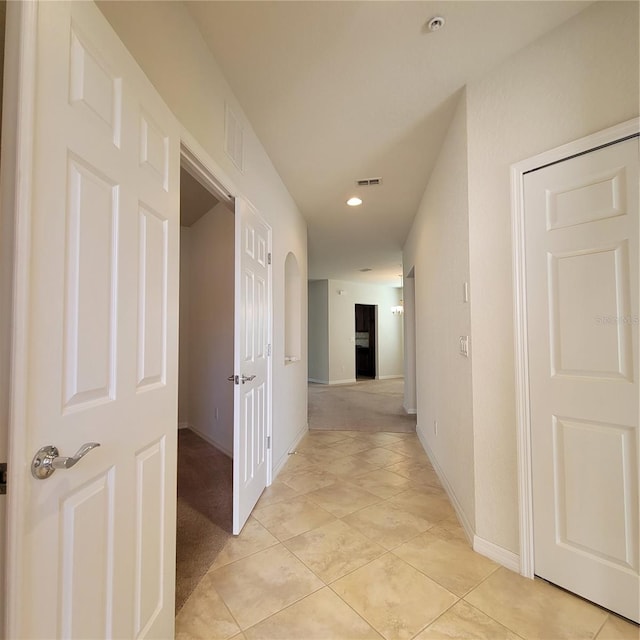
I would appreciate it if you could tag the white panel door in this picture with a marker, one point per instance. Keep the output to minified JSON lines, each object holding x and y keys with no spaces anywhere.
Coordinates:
{"x":581,"y":219}
{"x":252,"y":409}
{"x":92,"y":548}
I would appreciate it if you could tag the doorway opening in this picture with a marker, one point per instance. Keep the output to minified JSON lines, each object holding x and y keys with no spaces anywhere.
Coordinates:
{"x":365,"y":318}
{"x":205,"y":397}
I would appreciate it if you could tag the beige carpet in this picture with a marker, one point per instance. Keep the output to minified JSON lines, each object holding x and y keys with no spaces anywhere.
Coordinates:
{"x":204,"y":510}
{"x":368,"y":405}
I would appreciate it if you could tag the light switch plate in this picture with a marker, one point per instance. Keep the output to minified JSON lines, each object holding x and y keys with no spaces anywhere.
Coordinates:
{"x":464,"y":346}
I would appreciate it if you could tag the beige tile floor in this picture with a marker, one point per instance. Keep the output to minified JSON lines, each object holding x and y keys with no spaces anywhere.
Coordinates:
{"x":356,"y":539}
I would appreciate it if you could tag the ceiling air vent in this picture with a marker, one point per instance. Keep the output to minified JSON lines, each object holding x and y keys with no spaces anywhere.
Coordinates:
{"x":233,"y":138}
{"x":369,"y":182}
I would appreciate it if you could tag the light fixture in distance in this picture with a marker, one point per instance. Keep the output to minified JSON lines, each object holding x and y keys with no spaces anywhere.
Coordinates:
{"x":354,"y":202}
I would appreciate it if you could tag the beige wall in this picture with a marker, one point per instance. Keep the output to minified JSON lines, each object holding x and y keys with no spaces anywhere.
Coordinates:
{"x":579,"y":79}
{"x":318,"y":331}
{"x":332,"y":315}
{"x":576,"y":80}
{"x":165,"y":41}
{"x":438,"y":250}
{"x":206,"y":330}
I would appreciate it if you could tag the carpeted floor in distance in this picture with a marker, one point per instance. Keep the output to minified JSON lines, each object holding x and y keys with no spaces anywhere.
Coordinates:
{"x":367,"y":405}
{"x":204,"y":510}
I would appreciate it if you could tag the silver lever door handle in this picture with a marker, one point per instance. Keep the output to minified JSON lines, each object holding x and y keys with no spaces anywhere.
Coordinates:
{"x":247,"y":378}
{"x":47,"y":460}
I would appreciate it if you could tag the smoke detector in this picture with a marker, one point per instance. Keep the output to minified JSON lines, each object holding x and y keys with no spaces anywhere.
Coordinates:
{"x":437,"y":22}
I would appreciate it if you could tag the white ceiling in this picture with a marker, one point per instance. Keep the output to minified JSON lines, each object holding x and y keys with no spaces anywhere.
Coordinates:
{"x":338,"y":91}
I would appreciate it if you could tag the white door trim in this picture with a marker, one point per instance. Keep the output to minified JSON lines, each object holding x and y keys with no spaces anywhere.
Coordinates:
{"x":518,"y":171}
{"x":197,"y":162}
{"x":18,"y":116}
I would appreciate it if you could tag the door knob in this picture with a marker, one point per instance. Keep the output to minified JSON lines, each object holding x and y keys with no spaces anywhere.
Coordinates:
{"x":247,"y":378}
{"x":47,"y":460}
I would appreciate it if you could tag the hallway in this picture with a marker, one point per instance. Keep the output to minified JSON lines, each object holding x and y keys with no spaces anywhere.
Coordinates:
{"x":357,"y":539}
{"x":366,"y":405}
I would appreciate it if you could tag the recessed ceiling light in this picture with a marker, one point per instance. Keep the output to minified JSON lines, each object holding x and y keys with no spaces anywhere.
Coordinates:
{"x":437,"y":22}
{"x":354,"y":202}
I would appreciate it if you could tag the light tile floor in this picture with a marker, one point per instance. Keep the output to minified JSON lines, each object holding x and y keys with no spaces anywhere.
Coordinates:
{"x":356,"y":539}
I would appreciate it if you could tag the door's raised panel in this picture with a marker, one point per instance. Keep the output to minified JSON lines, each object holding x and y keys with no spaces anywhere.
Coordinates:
{"x":154,"y":150}
{"x":249,"y":454}
{"x":250,"y":241}
{"x":596,"y":198}
{"x":596,"y":493}
{"x":260,"y":326}
{"x":86,"y":576}
{"x":261,"y":424}
{"x":261,"y":256}
{"x":95,"y":90}
{"x":249,"y":316}
{"x":90,"y":287}
{"x":589,"y":308}
{"x":152,"y":301}
{"x":150,"y":535}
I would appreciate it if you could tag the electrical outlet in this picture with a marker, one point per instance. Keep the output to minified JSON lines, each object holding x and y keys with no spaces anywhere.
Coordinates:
{"x":464,"y":346}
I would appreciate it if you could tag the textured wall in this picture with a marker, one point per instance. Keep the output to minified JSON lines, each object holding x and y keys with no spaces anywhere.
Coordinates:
{"x":437,"y":250}
{"x":580,"y":78}
{"x":165,"y":41}
{"x":318,"y":331}
{"x":342,"y":359}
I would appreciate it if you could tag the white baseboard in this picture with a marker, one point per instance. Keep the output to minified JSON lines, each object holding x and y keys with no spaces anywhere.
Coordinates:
{"x":464,"y":521}
{"x":184,"y":425}
{"x":277,"y":467}
{"x":497,"y":553}
{"x":316,"y":381}
{"x":393,"y":377}
{"x":412,"y":411}
{"x":212,"y":442}
{"x":345,"y":381}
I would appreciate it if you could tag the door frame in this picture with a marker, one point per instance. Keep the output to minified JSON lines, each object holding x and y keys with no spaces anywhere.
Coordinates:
{"x":589,"y":143}
{"x":17,"y":163}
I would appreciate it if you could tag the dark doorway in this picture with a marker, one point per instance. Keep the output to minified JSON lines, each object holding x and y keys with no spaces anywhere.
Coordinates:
{"x":365,"y":341}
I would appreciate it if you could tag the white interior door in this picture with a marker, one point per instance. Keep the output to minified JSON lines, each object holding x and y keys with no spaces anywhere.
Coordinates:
{"x":252,"y":409}
{"x":92,"y":548}
{"x":581,"y":218}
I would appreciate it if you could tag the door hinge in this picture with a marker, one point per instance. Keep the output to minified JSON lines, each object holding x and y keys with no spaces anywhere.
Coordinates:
{"x":268,"y":442}
{"x":3,"y":478}
{"x":268,"y":350}
{"x":269,"y":258}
